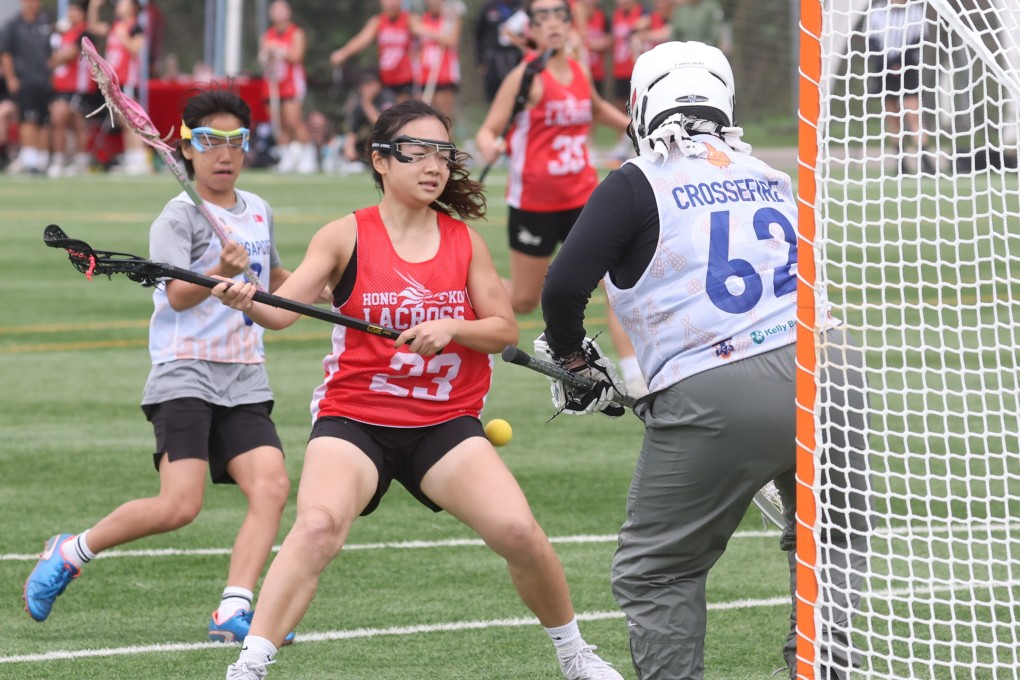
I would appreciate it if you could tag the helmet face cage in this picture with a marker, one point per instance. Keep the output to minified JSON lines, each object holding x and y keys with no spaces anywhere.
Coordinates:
{"x":412,"y":149}
{"x":700,"y":74}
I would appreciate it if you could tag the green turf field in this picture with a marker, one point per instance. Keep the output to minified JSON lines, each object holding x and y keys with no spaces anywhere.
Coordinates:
{"x":412,"y":596}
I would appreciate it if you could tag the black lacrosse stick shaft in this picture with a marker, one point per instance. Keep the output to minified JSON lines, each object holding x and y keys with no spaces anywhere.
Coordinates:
{"x":88,"y":261}
{"x":515,"y":355}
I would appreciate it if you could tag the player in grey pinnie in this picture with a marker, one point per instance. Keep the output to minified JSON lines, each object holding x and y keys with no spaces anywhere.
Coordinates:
{"x":697,"y":243}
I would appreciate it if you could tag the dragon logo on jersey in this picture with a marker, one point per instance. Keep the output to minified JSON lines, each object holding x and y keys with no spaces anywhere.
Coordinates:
{"x":417,"y":295}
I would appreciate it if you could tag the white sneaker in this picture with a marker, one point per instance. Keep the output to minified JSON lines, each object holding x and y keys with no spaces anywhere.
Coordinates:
{"x":248,"y":670}
{"x":57,"y":163}
{"x":587,"y":665}
{"x":287,"y":159}
{"x":307,"y":163}
{"x":17,"y":166}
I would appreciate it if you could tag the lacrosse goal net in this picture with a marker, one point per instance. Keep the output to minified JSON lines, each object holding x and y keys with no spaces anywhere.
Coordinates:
{"x":910,"y":228}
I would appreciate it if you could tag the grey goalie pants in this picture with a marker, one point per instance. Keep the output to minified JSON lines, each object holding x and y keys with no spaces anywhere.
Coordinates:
{"x":711,"y":441}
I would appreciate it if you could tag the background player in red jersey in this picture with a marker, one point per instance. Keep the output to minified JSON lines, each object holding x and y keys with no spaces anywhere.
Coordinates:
{"x":75,"y":94}
{"x":282,"y":53}
{"x":391,"y":30}
{"x":551,"y":174}
{"x":125,"y":40}
{"x":407,"y":409}
{"x":438,"y":32}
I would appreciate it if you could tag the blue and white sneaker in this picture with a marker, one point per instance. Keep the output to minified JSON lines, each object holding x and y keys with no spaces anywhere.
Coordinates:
{"x":235,"y":628}
{"x":50,"y":577}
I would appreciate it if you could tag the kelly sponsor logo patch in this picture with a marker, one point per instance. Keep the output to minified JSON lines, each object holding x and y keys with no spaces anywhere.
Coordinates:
{"x":760,"y":335}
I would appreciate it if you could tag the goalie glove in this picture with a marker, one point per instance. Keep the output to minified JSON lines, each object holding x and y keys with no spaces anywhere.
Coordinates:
{"x":578,"y":401}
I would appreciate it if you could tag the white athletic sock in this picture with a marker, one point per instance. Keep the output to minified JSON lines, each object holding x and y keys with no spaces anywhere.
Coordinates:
{"x":566,"y":639}
{"x":256,"y":650}
{"x":630,"y":368}
{"x":76,"y":550}
{"x":234,"y":598}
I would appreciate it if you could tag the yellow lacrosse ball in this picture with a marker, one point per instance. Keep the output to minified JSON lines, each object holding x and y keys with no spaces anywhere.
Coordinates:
{"x":499,"y":432}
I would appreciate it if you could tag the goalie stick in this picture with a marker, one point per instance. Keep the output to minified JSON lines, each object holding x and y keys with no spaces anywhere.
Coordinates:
{"x":534,"y":67}
{"x":148,"y":273}
{"x":766,"y":499}
{"x":135,"y":117}
{"x":515,"y":355}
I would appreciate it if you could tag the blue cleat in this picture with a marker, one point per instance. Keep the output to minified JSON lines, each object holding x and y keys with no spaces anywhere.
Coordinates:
{"x":235,"y":628}
{"x":50,"y":577}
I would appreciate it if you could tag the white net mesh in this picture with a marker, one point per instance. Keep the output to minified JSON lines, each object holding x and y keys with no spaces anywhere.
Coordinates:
{"x":918,"y":249}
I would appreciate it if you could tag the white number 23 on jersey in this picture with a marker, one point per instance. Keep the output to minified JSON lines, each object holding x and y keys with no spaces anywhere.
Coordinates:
{"x":441,"y":369}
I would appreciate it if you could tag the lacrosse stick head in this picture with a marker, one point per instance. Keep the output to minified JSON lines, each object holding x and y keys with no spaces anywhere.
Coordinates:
{"x":89,"y":261}
{"x":126,"y":108}
{"x":79,"y":253}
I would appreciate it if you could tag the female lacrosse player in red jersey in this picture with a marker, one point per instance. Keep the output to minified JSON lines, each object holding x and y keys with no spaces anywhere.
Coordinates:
{"x":438,"y":32}
{"x":125,"y":40}
{"x":407,"y":410}
{"x":391,"y":30}
{"x":207,"y":394}
{"x":282,"y":54}
{"x":551,"y":175}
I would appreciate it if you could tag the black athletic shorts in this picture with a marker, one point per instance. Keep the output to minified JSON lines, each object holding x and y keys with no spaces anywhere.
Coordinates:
{"x":893,"y":78}
{"x":33,"y":102}
{"x":538,"y":233}
{"x":448,"y":87}
{"x":401,"y":453}
{"x":621,"y":89}
{"x":194,"y":428}
{"x":83,"y":102}
{"x":401,"y":90}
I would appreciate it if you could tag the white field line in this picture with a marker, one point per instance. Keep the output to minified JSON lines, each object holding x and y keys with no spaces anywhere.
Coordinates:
{"x":333,"y":635}
{"x":476,"y":542}
{"x":401,"y":545}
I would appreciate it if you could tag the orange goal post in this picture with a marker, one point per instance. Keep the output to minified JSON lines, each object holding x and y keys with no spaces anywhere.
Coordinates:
{"x":909,"y":227}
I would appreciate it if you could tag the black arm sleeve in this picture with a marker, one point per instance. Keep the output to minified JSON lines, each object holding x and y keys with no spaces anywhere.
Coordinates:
{"x":617,"y":232}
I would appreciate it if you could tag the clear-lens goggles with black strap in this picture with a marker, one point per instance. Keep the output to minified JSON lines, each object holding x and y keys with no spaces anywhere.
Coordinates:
{"x":411,"y":149}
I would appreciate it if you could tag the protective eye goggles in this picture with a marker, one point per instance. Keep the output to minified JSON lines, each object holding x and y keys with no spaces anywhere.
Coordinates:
{"x":411,"y":150}
{"x":543,"y":14}
{"x":205,"y":138}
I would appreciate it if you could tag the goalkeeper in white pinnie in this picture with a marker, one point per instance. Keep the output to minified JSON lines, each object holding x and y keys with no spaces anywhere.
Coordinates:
{"x":696,"y":240}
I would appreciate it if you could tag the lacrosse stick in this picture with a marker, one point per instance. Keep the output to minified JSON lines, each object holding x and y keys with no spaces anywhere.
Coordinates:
{"x":766,"y":499}
{"x":148,"y":273}
{"x":534,"y":67}
{"x":430,"y":85}
{"x":134,"y":116}
{"x":273,"y":80}
{"x":515,"y":355}
{"x":452,"y":10}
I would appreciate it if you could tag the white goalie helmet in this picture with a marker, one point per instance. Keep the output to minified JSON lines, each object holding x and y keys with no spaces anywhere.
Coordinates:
{"x":677,"y":75}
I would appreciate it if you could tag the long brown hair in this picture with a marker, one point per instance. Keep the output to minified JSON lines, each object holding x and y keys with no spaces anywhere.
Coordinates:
{"x":462,"y":195}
